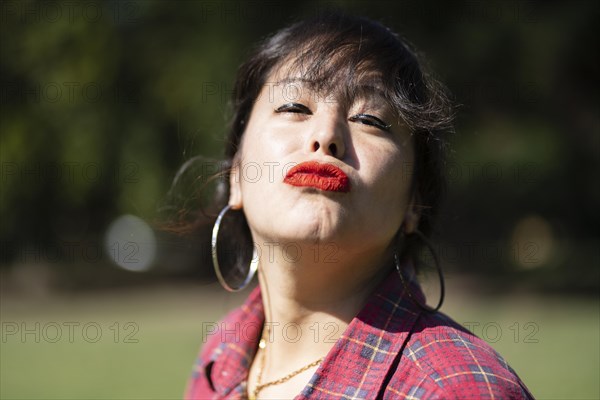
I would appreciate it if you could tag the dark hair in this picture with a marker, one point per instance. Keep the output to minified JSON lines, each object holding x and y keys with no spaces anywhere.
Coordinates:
{"x":339,"y":50}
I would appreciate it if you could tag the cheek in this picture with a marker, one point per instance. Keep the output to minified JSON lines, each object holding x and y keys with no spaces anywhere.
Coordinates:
{"x":267,"y":154}
{"x":261,"y":166}
{"x":389,"y":174}
{"x":266,"y":140}
{"x":387,"y":163}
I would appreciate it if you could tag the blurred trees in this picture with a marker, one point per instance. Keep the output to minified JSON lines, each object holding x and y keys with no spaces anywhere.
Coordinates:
{"x":103,"y":101}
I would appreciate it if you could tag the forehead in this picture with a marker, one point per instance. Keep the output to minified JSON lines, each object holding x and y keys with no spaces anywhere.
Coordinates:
{"x":293,"y":79}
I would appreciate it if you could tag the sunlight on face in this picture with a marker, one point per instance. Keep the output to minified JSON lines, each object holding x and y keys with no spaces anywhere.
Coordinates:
{"x":353,"y":131}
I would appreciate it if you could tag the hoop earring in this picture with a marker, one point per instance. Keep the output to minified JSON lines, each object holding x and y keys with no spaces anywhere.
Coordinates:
{"x":438,"y":267}
{"x":215,"y":258}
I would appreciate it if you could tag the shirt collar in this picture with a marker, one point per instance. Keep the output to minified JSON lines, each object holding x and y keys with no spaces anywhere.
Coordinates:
{"x":372,"y":341}
{"x":239,"y":334}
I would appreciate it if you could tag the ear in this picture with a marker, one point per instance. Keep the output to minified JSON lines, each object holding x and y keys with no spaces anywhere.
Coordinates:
{"x":235,"y":183}
{"x":412,"y":216}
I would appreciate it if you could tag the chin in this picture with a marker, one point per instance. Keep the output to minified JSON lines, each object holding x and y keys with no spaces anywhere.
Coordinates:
{"x":310,"y":218}
{"x":312,"y":227}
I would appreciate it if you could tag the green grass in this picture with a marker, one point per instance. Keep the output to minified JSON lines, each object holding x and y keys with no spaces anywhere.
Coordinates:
{"x":560,"y":359}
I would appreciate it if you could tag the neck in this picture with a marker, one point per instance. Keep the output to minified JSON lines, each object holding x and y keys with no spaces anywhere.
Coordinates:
{"x":311,"y":293}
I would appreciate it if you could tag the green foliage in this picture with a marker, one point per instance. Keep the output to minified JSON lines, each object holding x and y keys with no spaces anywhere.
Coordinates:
{"x":102,"y":103}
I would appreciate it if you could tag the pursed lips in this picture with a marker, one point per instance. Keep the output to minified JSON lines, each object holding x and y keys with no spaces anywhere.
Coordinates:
{"x":322,"y":176}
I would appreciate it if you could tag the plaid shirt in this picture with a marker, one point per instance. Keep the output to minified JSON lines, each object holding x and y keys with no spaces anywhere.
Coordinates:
{"x":390,"y":350}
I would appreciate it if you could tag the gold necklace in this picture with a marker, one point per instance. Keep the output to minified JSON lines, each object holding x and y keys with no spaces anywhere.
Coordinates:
{"x":260,"y":386}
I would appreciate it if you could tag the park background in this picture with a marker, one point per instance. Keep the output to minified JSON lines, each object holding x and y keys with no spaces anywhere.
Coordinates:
{"x":103,"y":101}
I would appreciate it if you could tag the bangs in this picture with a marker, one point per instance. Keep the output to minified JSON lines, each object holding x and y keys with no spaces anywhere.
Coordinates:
{"x":351,"y":57}
{"x":343,"y":73}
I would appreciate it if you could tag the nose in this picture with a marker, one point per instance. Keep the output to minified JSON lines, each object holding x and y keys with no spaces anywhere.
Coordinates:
{"x":328,"y":135}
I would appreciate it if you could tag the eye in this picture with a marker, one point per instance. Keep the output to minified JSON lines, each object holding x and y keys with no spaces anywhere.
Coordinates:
{"x":370,"y":120}
{"x":296,"y":108}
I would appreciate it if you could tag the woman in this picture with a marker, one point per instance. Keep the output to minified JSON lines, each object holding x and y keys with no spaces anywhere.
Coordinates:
{"x":335,"y":156}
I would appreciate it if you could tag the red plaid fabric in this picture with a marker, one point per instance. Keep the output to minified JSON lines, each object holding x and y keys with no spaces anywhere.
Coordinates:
{"x":390,"y":350}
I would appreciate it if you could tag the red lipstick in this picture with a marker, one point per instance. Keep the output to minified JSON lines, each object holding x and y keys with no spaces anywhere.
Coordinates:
{"x":326,"y":177}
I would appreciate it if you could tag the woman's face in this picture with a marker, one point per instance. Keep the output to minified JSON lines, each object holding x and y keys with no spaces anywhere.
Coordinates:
{"x":315,"y":204}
